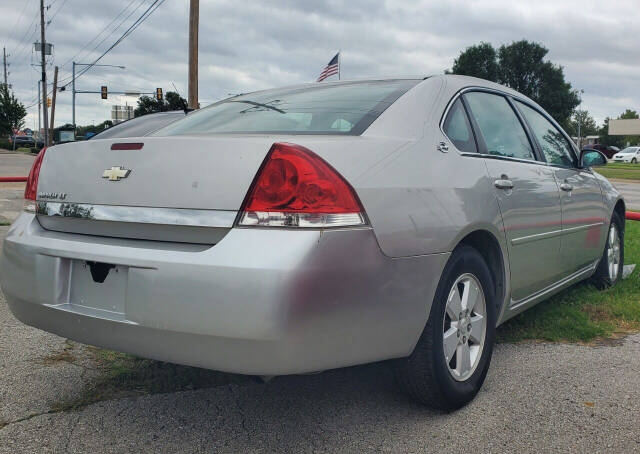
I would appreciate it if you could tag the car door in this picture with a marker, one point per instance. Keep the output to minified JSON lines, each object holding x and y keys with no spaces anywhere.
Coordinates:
{"x":584,"y":219}
{"x":526,"y":190}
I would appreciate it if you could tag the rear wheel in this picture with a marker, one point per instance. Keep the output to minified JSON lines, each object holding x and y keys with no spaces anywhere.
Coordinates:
{"x":452,"y":357}
{"x":609,"y":269}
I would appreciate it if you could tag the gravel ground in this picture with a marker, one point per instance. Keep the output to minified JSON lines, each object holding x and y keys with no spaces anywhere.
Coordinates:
{"x":538,"y":397}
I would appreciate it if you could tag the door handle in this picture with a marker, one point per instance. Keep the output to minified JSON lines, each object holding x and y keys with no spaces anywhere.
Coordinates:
{"x":566,"y":187}
{"x":503,"y":184}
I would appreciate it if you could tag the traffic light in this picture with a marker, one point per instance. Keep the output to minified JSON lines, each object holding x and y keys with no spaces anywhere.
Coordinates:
{"x":159,"y":94}
{"x":48,"y":102}
{"x":103,"y":92}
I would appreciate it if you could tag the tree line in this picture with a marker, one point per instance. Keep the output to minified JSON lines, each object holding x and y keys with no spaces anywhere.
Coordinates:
{"x":521,"y":65}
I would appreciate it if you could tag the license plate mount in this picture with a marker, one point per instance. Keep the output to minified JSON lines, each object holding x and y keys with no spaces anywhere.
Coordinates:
{"x":98,"y":285}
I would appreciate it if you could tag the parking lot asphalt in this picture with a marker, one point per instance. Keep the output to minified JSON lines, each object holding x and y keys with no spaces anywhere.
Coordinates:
{"x":631,"y":192}
{"x":538,"y":397}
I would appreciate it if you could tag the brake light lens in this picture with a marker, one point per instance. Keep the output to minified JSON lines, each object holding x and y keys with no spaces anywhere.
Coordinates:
{"x":295,"y":187}
{"x":31,"y":188}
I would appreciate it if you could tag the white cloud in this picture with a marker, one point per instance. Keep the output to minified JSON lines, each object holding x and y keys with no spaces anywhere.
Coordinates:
{"x":256,"y":44}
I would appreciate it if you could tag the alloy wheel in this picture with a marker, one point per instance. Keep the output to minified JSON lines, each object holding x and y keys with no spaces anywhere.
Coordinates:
{"x":613,"y":253}
{"x":464,"y":326}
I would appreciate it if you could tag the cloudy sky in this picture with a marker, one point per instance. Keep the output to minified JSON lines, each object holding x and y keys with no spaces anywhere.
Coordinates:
{"x":247,"y":45}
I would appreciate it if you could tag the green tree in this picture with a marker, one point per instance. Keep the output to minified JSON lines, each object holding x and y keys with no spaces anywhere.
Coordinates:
{"x":12,"y":112}
{"x":147,"y":104}
{"x":477,"y":61}
{"x":588,"y":126}
{"x":521,"y":66}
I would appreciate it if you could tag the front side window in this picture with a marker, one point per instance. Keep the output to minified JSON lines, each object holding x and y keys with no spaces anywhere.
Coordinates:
{"x":458,"y":129}
{"x":341,"y":109}
{"x":555,"y":147}
{"x":499,"y":126}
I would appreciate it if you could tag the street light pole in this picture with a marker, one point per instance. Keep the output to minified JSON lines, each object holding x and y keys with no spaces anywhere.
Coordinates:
{"x":73,"y":95}
{"x":579,"y":118}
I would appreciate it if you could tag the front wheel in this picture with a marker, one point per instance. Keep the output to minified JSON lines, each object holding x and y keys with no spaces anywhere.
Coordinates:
{"x":452,"y":357}
{"x":634,"y":161}
{"x":609,"y":270}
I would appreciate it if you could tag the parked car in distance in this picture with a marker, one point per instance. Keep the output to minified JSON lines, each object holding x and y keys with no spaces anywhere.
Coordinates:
{"x":317,"y":226}
{"x":139,"y":126}
{"x":629,"y":154}
{"x":607,"y":150}
{"x":25,"y":141}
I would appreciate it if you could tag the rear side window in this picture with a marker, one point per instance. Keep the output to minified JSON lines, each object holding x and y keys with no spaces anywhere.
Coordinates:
{"x":341,"y":109}
{"x":499,"y":126}
{"x":458,"y":129}
{"x":554,"y":146}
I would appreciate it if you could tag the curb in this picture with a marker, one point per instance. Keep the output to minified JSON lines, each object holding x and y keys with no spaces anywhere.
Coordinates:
{"x":12,"y":179}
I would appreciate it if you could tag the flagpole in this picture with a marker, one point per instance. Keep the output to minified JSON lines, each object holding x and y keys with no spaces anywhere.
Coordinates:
{"x":338,"y":64}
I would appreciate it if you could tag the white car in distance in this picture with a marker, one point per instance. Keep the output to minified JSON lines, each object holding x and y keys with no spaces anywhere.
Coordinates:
{"x":629,"y":154}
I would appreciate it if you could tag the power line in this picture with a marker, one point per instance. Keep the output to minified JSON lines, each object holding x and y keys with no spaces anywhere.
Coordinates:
{"x":57,"y":11}
{"x":18,"y":50}
{"x":26,"y":3}
{"x":103,"y":30}
{"x":144,"y":16}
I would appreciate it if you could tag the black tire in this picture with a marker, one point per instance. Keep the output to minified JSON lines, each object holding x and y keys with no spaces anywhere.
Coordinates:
{"x":424,"y":375}
{"x":601,"y":278}
{"x":634,"y":161}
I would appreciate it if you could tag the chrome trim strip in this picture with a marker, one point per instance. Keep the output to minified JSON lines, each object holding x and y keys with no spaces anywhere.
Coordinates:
{"x":564,"y":231}
{"x":536,"y":237}
{"x":515,"y":305}
{"x":142,"y":215}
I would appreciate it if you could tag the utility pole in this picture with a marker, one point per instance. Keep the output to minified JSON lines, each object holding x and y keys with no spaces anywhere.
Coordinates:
{"x":43,"y":44}
{"x":194,"y":20}
{"x":39,"y":108}
{"x":53,"y":100}
{"x":73,"y":95}
{"x":4,"y":62}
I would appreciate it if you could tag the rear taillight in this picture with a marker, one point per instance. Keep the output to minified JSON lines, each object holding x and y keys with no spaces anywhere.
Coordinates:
{"x":294,"y":187}
{"x":31,"y":189}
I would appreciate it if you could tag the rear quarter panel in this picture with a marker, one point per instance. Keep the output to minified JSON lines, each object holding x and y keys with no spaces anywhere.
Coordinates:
{"x":423,"y":201}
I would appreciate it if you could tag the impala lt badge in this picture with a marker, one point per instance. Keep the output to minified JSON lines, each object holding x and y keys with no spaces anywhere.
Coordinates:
{"x":116,"y":173}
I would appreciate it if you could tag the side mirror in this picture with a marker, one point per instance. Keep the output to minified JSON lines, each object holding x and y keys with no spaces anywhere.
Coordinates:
{"x":592,"y":158}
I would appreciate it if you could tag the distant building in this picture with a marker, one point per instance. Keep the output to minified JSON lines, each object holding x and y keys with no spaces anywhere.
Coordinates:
{"x":121,"y":113}
{"x":586,"y":141}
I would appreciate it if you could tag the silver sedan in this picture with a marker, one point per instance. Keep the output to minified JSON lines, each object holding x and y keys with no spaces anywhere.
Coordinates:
{"x":317,"y":226}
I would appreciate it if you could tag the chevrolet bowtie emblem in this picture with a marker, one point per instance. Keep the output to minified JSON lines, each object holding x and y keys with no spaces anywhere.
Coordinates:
{"x":116,"y":173}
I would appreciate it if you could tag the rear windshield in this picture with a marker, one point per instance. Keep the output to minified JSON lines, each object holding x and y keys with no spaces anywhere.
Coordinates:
{"x":344,"y":109}
{"x":139,"y":126}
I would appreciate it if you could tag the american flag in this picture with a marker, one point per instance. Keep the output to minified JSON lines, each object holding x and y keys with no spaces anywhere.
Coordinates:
{"x":333,"y":67}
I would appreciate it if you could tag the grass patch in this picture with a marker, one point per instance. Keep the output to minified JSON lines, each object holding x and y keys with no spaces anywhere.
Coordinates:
{"x":621,"y":171}
{"x":582,"y":313}
{"x":4,"y":223}
{"x":123,"y":375}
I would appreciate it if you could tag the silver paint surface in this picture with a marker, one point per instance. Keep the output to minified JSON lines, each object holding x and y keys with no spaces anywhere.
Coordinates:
{"x":274,"y":301}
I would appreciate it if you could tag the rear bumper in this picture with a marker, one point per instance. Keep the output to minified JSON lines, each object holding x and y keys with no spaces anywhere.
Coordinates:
{"x":261,"y":301}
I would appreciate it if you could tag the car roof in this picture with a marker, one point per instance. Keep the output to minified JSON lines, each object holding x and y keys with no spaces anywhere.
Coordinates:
{"x":454,"y":80}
